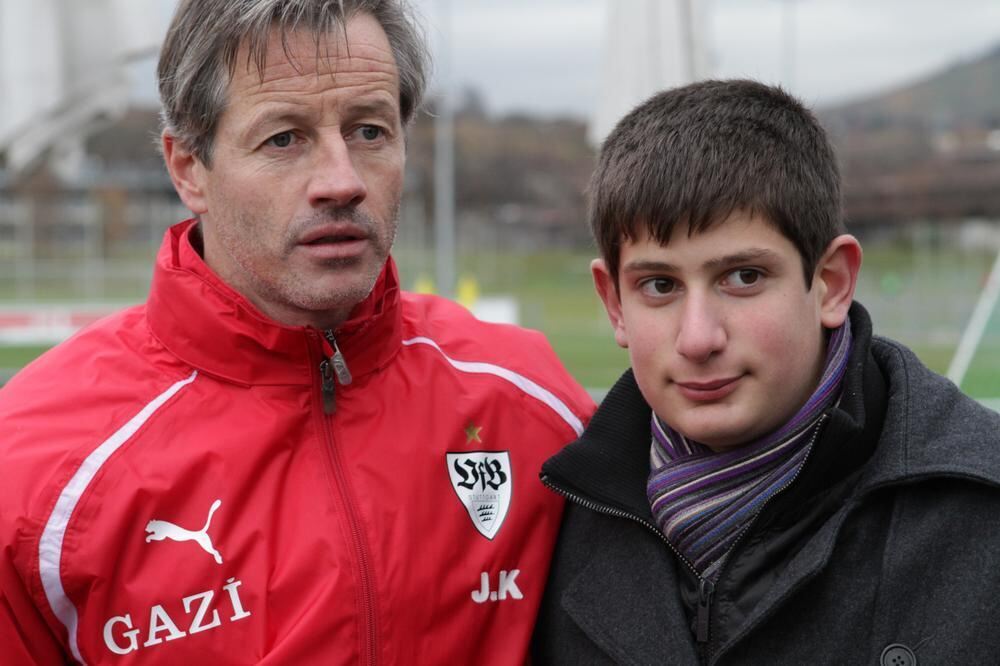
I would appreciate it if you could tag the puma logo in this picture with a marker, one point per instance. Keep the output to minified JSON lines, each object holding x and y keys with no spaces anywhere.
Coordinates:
{"x":158,"y":530}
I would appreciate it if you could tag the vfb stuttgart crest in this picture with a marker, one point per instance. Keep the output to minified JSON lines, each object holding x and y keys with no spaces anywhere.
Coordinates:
{"x":482,"y":481}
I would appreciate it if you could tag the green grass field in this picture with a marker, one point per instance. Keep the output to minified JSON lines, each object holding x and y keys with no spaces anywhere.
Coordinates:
{"x":16,"y":357}
{"x":921,"y":298}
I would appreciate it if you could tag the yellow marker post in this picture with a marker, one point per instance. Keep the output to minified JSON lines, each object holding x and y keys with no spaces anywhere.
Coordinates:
{"x":423,"y":285}
{"x":468,"y":291}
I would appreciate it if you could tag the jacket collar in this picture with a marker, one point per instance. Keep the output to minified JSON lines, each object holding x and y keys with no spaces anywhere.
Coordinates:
{"x":209,"y":325}
{"x":609,"y":463}
{"x":611,"y":459}
{"x":932,"y":429}
{"x":897,"y":421}
{"x":853,"y":427}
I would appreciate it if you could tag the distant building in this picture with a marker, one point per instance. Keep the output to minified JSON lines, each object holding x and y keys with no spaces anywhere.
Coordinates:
{"x":63,"y":71}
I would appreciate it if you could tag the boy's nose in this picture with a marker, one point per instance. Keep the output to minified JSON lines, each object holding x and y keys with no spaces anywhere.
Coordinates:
{"x":335,"y":180}
{"x":702,"y":332}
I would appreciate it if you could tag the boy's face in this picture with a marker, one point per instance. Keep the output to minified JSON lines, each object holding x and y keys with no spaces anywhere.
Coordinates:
{"x":725,"y":340}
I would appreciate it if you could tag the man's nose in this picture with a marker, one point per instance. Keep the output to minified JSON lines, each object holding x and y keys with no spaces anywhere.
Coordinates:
{"x":702,"y":330}
{"x":335,"y":179}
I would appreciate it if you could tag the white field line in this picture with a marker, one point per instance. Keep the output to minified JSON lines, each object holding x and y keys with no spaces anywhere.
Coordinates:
{"x":992,"y":403}
{"x":974,"y":330}
{"x":48,"y":323}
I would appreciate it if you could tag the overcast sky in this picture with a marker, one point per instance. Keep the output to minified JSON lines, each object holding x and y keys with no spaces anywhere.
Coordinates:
{"x":545,"y":56}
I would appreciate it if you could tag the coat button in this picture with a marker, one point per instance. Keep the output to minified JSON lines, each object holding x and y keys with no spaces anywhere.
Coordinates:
{"x":898,"y":655}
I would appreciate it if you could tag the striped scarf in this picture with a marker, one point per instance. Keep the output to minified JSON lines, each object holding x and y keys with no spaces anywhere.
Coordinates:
{"x":703,"y":500}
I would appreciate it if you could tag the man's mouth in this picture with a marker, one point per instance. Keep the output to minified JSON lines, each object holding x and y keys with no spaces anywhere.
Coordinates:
{"x":335,"y":242}
{"x":345,"y":238}
{"x":326,"y":236}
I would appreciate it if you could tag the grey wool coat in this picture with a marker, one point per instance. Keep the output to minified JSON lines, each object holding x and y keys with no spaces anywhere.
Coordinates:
{"x":885,"y":550}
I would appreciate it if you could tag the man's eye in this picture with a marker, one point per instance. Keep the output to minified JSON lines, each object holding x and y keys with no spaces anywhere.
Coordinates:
{"x":371,"y":133}
{"x":282,"y":140}
{"x":658,"y":286}
{"x":744,"y":277}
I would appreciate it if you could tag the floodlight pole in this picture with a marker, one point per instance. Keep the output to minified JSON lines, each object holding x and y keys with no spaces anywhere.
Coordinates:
{"x":444,"y":162}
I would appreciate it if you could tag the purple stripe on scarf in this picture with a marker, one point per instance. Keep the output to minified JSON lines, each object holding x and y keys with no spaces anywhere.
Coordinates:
{"x":696,"y":482}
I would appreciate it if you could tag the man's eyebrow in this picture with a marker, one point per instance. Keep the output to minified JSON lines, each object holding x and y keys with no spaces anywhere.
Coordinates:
{"x":372,"y":107}
{"x":275,"y":114}
{"x":285,"y":112}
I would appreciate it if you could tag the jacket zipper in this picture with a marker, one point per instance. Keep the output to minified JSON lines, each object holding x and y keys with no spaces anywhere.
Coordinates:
{"x":706,"y":588}
{"x":333,"y":366}
{"x":618,"y":513}
{"x":336,"y":366}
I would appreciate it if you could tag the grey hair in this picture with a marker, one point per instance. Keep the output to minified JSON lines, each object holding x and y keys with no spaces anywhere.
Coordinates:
{"x":199,"y":54}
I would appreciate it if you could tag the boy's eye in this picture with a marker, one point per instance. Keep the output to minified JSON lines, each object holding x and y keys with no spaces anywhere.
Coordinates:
{"x":744,"y":277}
{"x":282,"y":140}
{"x":657,"y":286}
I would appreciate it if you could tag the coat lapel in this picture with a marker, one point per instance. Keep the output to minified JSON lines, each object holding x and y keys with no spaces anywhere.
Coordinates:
{"x":625,"y":599}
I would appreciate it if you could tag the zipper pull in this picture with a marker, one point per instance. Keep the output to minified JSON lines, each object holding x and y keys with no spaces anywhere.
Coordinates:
{"x":706,"y":591}
{"x":329,"y":397}
{"x":337,"y":360}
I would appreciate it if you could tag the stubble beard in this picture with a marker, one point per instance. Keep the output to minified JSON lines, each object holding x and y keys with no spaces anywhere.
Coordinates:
{"x":295,"y":291}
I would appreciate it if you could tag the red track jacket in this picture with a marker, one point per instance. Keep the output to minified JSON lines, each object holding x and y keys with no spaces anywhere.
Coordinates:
{"x":188,"y":482}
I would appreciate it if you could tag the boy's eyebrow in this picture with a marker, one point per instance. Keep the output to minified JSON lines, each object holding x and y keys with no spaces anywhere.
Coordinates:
{"x":648,"y":266}
{"x":749,"y":255}
{"x":743,"y":257}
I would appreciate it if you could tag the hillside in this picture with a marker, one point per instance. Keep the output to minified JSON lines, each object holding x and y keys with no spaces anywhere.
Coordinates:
{"x":925,"y":150}
{"x":962,"y":94}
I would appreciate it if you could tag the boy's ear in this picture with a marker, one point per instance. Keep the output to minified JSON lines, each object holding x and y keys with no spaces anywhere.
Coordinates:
{"x":187,"y":173}
{"x":836,"y":277}
{"x":604,"y":283}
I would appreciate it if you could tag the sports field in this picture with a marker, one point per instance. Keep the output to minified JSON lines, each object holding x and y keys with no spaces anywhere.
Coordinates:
{"x":922,"y":298}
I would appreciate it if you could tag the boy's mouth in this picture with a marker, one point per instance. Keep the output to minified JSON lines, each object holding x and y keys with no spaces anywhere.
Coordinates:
{"x":707,"y":391}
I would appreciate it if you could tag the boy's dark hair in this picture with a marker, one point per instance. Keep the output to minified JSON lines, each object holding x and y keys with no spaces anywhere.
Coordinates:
{"x":694,"y":155}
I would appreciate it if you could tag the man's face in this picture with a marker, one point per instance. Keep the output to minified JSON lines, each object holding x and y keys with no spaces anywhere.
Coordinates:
{"x":299,"y":208}
{"x":725,"y":340}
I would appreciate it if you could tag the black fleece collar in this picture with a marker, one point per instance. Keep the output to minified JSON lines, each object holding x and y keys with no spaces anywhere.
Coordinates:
{"x":609,"y":463}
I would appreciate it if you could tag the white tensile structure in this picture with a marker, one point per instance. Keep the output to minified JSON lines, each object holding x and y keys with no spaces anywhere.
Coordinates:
{"x":649,"y":45}
{"x":63,"y":68}
{"x":64,"y":72}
